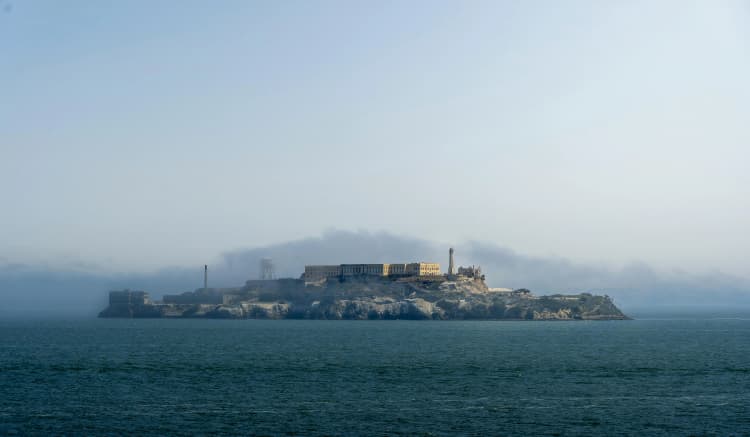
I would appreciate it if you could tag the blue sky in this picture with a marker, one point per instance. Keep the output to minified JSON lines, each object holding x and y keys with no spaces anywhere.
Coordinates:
{"x":136,"y":135}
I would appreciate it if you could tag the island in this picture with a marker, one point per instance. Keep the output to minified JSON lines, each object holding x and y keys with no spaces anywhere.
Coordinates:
{"x":412,"y":291}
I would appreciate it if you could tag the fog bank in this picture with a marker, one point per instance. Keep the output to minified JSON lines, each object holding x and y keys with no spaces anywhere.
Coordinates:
{"x":42,"y":291}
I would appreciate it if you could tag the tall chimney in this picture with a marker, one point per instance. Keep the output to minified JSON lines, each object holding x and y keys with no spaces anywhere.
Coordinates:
{"x":450,"y":262}
{"x":205,"y":277}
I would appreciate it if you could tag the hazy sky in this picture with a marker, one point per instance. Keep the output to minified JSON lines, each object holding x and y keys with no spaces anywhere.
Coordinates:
{"x":140,"y":134}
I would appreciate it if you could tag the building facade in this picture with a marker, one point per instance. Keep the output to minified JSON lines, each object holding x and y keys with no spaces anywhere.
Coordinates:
{"x":128,"y":297}
{"x":470,"y":272}
{"x":423,"y":269}
{"x":314,"y":273}
{"x":318,"y":273}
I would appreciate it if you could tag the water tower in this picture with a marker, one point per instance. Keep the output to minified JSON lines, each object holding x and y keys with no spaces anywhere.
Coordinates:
{"x":267,"y":270}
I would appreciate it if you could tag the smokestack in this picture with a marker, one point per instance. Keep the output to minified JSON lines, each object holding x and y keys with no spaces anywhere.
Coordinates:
{"x":450,"y":262}
{"x":205,"y":277}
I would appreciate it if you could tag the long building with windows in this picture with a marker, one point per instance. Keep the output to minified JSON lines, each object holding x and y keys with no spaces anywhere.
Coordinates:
{"x":314,"y":273}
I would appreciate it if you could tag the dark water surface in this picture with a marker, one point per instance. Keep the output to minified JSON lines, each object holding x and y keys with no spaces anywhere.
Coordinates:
{"x":671,"y":377}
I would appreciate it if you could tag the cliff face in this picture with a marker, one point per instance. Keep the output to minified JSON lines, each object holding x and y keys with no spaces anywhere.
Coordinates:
{"x":377,"y":299}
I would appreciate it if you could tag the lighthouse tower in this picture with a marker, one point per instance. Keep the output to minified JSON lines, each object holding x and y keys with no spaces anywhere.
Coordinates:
{"x":450,"y":262}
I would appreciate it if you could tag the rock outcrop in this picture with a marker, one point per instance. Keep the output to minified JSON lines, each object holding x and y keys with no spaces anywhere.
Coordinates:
{"x":378,"y":299}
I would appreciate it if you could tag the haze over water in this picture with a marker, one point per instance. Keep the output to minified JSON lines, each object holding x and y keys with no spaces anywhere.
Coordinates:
{"x":565,"y":147}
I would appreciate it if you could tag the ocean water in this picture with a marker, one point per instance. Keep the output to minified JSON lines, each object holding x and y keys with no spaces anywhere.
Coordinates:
{"x":157,"y":377}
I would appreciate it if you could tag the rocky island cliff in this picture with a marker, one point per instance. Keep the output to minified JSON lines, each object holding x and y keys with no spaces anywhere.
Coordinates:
{"x":364,"y":297}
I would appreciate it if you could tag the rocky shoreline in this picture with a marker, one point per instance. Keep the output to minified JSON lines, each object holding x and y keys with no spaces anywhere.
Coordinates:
{"x":366,"y":299}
